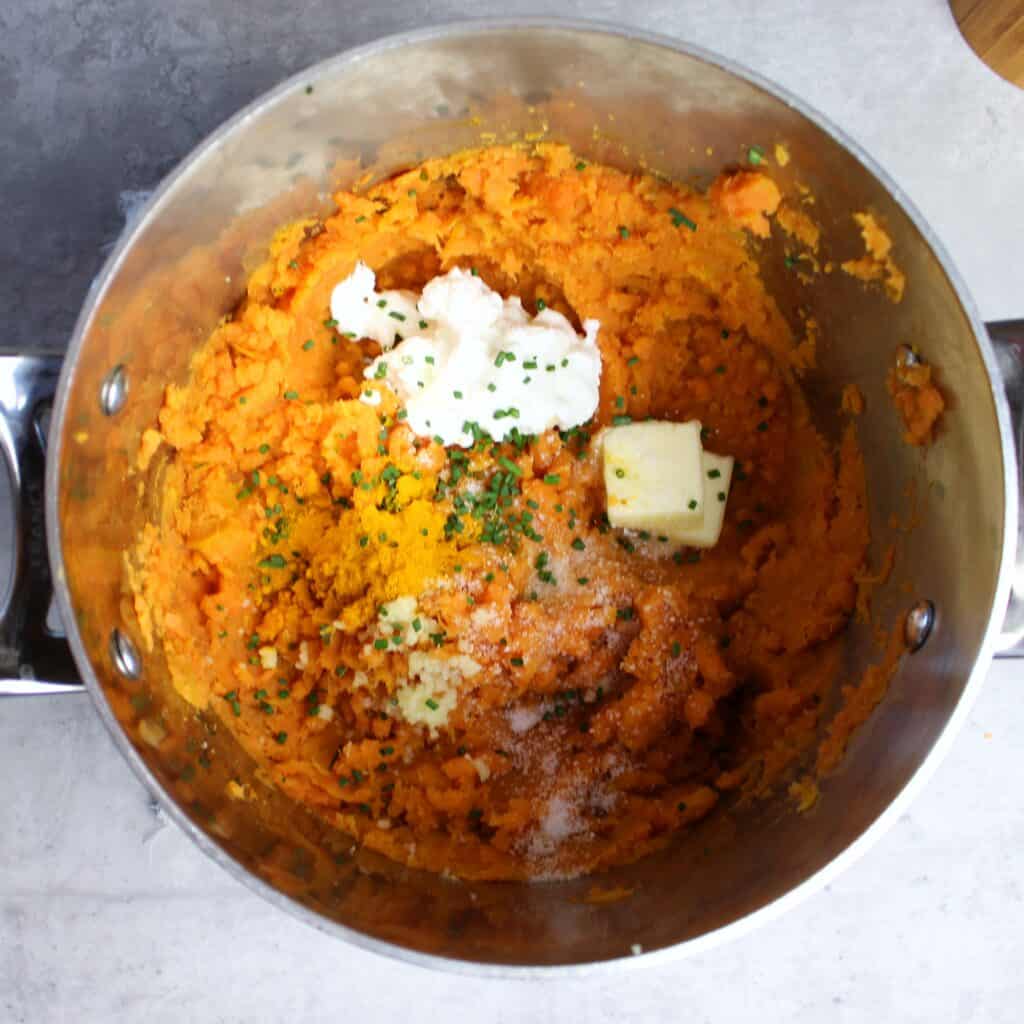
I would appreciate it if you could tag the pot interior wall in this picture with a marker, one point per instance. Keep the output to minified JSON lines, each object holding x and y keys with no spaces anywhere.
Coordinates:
{"x":626,"y":102}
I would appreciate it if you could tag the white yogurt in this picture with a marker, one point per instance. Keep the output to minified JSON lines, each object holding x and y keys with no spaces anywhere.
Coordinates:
{"x":459,"y":354}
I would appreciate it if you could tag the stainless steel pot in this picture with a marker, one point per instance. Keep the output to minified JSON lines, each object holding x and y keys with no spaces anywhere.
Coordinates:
{"x":624,"y":98}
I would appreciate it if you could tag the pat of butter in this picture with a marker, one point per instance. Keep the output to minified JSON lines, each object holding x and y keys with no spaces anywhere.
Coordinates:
{"x":717,"y":470}
{"x":654,"y":478}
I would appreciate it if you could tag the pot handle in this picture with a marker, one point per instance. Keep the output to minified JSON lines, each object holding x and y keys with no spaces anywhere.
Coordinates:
{"x":34,"y":655}
{"x":1008,"y":341}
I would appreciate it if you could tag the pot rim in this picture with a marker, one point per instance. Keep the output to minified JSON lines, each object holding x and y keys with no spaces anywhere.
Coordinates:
{"x":689,"y":947}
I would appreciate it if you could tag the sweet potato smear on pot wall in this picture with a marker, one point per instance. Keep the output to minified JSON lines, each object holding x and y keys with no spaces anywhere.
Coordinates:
{"x":448,"y":652}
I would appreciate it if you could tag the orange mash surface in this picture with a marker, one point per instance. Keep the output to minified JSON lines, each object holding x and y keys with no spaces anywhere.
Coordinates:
{"x":593,"y":691}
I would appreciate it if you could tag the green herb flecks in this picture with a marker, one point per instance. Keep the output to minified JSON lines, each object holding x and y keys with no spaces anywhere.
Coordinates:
{"x":679,"y":219}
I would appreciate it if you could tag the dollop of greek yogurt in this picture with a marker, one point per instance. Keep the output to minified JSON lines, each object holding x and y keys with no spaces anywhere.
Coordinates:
{"x":460,"y":354}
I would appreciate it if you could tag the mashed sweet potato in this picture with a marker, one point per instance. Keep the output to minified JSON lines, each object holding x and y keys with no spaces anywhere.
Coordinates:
{"x":450,"y":654}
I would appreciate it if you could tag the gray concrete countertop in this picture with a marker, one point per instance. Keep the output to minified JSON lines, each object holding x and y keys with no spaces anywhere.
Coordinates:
{"x":108,"y":913}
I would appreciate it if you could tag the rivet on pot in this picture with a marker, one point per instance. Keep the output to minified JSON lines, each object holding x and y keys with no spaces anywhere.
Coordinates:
{"x":918,"y":625}
{"x":114,"y":390}
{"x":124,"y":655}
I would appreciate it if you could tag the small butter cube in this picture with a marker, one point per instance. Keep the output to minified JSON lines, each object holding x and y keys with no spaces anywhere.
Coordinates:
{"x":717,"y":477}
{"x":653,"y":477}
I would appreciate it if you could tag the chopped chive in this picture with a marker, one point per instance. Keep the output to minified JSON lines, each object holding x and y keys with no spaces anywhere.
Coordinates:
{"x":396,"y":316}
{"x":552,"y":478}
{"x":679,"y":218}
{"x":307,"y":345}
{"x":273,"y":562}
{"x":621,"y":421}
{"x":291,"y":395}
{"x":755,"y":154}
